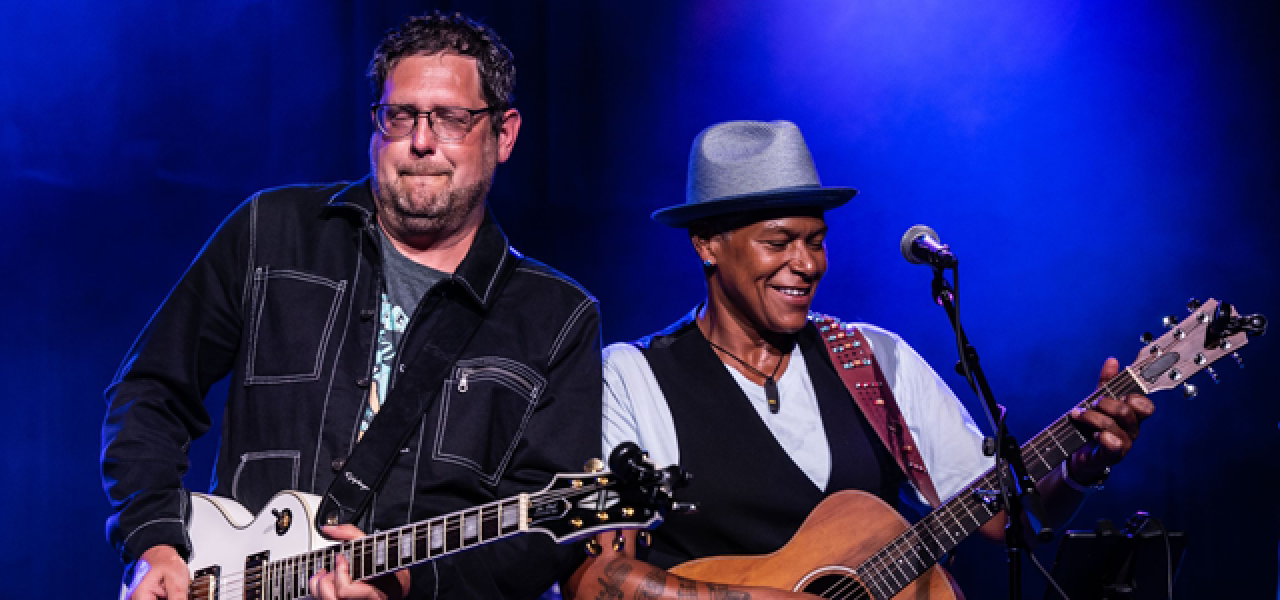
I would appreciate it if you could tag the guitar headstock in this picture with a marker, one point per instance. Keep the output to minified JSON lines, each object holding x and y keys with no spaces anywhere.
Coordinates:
{"x":1214,"y":330}
{"x":632,"y":494}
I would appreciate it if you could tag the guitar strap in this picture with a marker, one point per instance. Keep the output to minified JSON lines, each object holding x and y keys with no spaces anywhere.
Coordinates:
{"x":453,"y":319}
{"x":858,"y":369}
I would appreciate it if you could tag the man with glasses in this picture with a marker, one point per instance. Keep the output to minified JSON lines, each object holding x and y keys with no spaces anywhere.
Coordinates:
{"x":332,"y":305}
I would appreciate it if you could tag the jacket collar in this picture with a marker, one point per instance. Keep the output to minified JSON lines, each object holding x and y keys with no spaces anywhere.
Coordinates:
{"x":479,"y":271}
{"x":355,"y":196}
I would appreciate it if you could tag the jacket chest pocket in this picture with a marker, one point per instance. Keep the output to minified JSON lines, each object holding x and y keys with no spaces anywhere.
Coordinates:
{"x":485,"y":406}
{"x":261,"y":474}
{"x":292,"y":316}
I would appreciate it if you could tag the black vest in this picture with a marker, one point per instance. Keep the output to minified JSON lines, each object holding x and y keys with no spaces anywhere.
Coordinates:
{"x":751,"y":496}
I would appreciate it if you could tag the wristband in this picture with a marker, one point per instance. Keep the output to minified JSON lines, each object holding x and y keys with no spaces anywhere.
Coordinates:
{"x":1082,"y":488}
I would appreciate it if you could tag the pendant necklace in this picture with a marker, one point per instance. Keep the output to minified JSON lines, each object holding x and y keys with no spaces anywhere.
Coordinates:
{"x":770,"y":384}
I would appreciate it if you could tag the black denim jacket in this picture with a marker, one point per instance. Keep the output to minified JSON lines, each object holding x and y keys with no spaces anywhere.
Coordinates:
{"x":284,"y":297}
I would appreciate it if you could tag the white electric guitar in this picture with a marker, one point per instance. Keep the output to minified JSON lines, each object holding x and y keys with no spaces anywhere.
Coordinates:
{"x":273,"y":555}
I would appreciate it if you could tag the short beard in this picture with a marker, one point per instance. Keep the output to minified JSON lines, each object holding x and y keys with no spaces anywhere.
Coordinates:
{"x":440,"y":220}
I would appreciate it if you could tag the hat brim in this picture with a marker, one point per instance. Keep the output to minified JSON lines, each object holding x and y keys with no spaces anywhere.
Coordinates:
{"x":825,"y":198}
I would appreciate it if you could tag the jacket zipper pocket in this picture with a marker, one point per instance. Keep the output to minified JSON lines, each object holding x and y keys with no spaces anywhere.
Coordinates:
{"x":496,"y":373}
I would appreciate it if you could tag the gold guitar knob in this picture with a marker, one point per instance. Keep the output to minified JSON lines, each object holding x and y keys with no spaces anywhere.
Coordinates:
{"x":594,"y":465}
{"x":576,"y":522}
{"x":628,"y":512}
{"x":602,"y":516}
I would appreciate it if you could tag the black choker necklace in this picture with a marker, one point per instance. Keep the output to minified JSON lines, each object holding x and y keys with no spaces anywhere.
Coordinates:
{"x":770,"y":384}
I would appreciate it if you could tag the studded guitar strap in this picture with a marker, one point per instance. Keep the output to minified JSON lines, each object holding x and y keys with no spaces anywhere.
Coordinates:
{"x":856,"y":364}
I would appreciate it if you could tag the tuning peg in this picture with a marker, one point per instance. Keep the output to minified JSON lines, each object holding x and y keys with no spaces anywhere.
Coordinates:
{"x":1239,"y":361}
{"x":1147,"y":338}
{"x":1193,"y":304}
{"x":592,"y":547}
{"x":1190,"y":390}
{"x":1212,"y":373}
{"x":593,"y":465}
{"x":1170,"y":321}
{"x":619,"y":542}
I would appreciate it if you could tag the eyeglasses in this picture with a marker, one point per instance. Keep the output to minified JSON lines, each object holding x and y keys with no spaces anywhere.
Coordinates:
{"x":449,"y":123}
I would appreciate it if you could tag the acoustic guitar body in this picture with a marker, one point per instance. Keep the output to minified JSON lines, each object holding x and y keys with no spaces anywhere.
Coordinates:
{"x":841,"y":532}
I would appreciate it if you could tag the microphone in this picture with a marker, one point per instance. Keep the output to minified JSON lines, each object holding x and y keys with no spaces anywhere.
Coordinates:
{"x":920,"y":246}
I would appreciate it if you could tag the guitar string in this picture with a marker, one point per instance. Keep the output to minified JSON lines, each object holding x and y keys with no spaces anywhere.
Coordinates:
{"x":899,"y":546}
{"x":1039,"y":446}
{"x":1121,"y":385}
{"x":418,"y":531}
{"x":1049,"y":432}
{"x":848,"y":585}
{"x":360,"y":549}
{"x":894,"y":552}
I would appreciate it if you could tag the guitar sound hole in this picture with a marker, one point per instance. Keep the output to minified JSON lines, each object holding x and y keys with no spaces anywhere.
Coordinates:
{"x":836,"y":586}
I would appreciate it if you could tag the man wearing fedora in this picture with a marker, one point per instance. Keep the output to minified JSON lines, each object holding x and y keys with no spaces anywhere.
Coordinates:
{"x":745,"y":393}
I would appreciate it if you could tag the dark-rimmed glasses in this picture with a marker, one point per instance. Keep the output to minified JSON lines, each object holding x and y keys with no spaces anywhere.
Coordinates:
{"x":449,"y":123}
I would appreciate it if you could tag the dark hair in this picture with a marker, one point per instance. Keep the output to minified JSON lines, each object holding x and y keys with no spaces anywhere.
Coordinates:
{"x":455,"y":34}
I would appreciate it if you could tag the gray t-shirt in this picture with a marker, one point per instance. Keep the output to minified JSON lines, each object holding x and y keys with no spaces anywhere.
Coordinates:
{"x":406,"y":282}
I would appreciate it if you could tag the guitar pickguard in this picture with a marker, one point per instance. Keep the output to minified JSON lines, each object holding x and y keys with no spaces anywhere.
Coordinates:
{"x":228,"y":539}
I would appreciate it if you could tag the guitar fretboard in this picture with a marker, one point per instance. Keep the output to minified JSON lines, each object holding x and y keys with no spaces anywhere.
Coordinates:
{"x":388,"y":551}
{"x":917,"y":549}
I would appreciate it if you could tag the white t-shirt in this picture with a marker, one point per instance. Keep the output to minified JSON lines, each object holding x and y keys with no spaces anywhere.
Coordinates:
{"x":949,"y":441}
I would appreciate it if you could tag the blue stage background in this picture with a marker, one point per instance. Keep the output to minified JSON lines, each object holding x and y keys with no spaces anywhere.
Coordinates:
{"x":1094,"y":164}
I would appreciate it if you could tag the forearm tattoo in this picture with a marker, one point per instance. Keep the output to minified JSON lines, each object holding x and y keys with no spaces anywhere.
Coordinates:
{"x":615,"y":574}
{"x":720,"y":591}
{"x":654,"y":584}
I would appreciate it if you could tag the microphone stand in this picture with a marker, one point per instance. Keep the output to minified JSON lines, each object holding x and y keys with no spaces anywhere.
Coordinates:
{"x":1017,"y":490}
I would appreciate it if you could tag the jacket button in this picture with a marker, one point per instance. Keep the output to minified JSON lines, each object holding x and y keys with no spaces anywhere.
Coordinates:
{"x":363,"y":382}
{"x":337,"y":464}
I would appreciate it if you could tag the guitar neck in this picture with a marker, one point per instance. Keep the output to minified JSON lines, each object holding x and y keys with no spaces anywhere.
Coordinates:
{"x":400,"y":548}
{"x":918,"y":548}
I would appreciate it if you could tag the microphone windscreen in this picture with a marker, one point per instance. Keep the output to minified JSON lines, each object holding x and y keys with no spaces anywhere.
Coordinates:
{"x":909,"y":240}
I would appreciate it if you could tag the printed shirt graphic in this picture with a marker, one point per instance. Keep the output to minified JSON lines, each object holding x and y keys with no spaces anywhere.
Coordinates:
{"x":405,"y":283}
{"x":394,"y":319}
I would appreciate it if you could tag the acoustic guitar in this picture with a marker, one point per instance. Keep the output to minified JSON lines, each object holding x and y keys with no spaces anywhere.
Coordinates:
{"x":853,"y":545}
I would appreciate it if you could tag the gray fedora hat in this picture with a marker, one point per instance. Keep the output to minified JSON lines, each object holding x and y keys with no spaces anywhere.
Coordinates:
{"x":742,"y":166}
